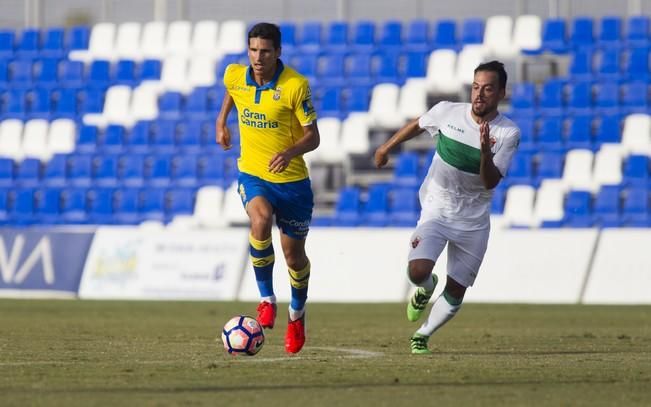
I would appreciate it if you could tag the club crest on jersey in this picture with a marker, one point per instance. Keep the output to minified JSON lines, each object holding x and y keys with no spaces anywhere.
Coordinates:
{"x":276,"y":95}
{"x":492,"y":140}
{"x":415,"y":241}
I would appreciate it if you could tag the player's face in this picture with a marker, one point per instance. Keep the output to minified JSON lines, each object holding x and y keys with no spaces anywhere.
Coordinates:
{"x":263,"y":57}
{"x":486,"y":93}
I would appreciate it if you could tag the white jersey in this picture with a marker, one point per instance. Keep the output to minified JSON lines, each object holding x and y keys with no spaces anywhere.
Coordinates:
{"x":453,"y":192}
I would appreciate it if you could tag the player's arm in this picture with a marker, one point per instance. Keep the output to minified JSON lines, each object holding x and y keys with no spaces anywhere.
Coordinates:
{"x":223,"y":133}
{"x":407,"y":132}
{"x":489,"y":173}
{"x":310,"y":141}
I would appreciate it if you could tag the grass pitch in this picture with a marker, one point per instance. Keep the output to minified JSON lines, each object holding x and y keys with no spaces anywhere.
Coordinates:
{"x":167,"y":353}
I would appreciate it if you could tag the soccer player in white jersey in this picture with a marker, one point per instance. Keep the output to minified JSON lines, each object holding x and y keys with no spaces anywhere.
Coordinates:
{"x":473,"y":152}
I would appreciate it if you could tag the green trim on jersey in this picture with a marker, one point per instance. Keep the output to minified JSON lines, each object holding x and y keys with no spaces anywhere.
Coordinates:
{"x":461,"y":156}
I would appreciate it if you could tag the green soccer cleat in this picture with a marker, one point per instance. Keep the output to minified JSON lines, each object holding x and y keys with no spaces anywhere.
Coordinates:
{"x":419,"y":301}
{"x":419,"y":344}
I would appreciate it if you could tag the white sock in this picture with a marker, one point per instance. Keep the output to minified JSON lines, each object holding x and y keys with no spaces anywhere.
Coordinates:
{"x":271,"y":299}
{"x":442,"y":311}
{"x":295,"y":314}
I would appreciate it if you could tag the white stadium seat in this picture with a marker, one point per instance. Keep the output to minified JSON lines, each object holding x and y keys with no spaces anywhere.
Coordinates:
{"x":549,"y":202}
{"x":383,"y":109}
{"x":61,"y":137}
{"x":355,"y":135}
{"x":177,"y":42}
{"x":232,"y":37}
{"x":468,"y":59}
{"x":527,"y":32}
{"x":518,"y":208}
{"x":152,"y":44}
{"x":11,"y":139}
{"x":127,"y":42}
{"x":201,"y":71}
{"x":234,"y":213}
{"x":577,"y":173}
{"x":607,"y":166}
{"x":441,"y":77}
{"x":636,"y":136}
{"x":100,"y":44}
{"x":116,"y":108}
{"x":208,"y":207}
{"x":144,"y":103}
{"x":35,"y":139}
{"x":329,"y":150}
{"x":174,"y":75}
{"x":498,"y":37}
{"x":413,"y":98}
{"x":205,"y":39}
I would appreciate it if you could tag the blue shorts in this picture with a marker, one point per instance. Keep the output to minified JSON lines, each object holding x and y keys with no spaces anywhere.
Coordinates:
{"x":292,"y":202}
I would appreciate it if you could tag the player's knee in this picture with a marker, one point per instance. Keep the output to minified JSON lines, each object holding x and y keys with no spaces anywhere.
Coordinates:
{"x":261,"y":223}
{"x":420,"y":270}
{"x":296,"y":261}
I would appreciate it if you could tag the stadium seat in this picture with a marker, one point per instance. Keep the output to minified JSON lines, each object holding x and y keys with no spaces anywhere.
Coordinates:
{"x":358,"y":69}
{"x":105,"y":171}
{"x":523,"y":99}
{"x":376,"y":209}
{"x":469,"y":58}
{"x":498,"y":37}
{"x":40,"y":105}
{"x":607,"y":207}
{"x":80,"y":169}
{"x":150,"y":70}
{"x":127,"y":206}
{"x":363,"y":38}
{"x":77,"y":38}
{"x":28,"y":173}
{"x":35,"y":139}
{"x":521,"y":170}
{"x":208,"y":207}
{"x":127,"y":42}
{"x":637,"y":171}
{"x":180,"y":201}
{"x":637,"y":33}
{"x":4,"y":206}
{"x":330,"y":70}
{"x":61,"y":137}
{"x":635,"y":97}
{"x":212,"y":170}
{"x":21,"y":74}
{"x":310,"y":37}
{"x":390,"y":35}
{"x":72,"y":74}
{"x":329,"y":150}
{"x":46,"y":72}
{"x":412,"y":102}
{"x":548,"y":209}
{"x":577,"y":172}
{"x":153,"y":204}
{"x":445,"y":35}
{"x":383,"y":110}
{"x":48,"y":206}
{"x":554,"y":37}
{"x":636,"y":64}
{"x":6,"y":173}
{"x":7,"y":44}
{"x":406,"y":172}
{"x":132,"y":170}
{"x":54,"y":172}
{"x":606,"y":99}
{"x":22,"y":206}
{"x":441,"y":77}
{"x":527,"y":36}
{"x":578,"y":209}
{"x":607,"y":169}
{"x":636,"y":135}
{"x":125,"y":73}
{"x":73,"y":206}
{"x":549,"y":166}
{"x":608,"y":130}
{"x":100,"y":44}
{"x":113,"y":139}
{"x":518,"y":208}
{"x":185,"y":171}
{"x":582,"y":35}
{"x":330,"y":104}
{"x":354,"y":135}
{"x":11,"y":139}
{"x":580,"y":98}
{"x":472,"y":31}
{"x":53,"y":43}
{"x":610,"y":33}
{"x":348,"y":207}
{"x":29,"y":44}
{"x":152,"y":42}
{"x":205,"y":39}
{"x":581,"y":64}
{"x":579,"y":134}
{"x":609,"y":64}
{"x":100,"y":206}
{"x":404,"y":207}
{"x":550,"y":135}
{"x":336,"y":39}
{"x":87,"y":139}
{"x":552,"y":102}
{"x":417,"y":36}
{"x":232,"y":37}
{"x":636,"y":208}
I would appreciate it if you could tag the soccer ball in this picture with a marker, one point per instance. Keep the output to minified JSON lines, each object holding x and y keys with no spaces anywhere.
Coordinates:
{"x":242,"y":335}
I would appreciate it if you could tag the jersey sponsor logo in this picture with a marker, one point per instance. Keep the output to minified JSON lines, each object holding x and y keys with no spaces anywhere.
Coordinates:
{"x":455,"y":128}
{"x":257,"y":120}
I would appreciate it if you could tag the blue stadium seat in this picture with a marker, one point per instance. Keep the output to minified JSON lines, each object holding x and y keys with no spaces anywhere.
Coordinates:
{"x":636,"y":171}
{"x":197,"y":103}
{"x":4,"y":73}
{"x":348,"y":207}
{"x":114,"y":139}
{"x":550,"y":134}
{"x":105,"y":171}
{"x":47,"y":73}
{"x":580,"y":132}
{"x":92,"y":101}
{"x":331,"y":102}
{"x":636,"y":65}
{"x":77,"y":38}
{"x":523,"y":99}
{"x":549,"y":165}
{"x":100,"y":206}
{"x":578,"y":209}
{"x":551,"y":103}
{"x":54,"y":173}
{"x":581,"y":65}
{"x":580,"y":98}
{"x":48,"y":206}
{"x":417,"y":38}
{"x":445,"y":35}
{"x":311,"y":39}
{"x":609,"y":64}
{"x":72,"y":74}
{"x":288,"y":31}
{"x":404,"y":209}
{"x":132,"y":170}
{"x":608,"y":130}
{"x":153,"y":204}
{"x":66,"y":103}
{"x":306,"y":64}
{"x":6,"y":172}
{"x":215,"y":97}
{"x":610,"y":33}
{"x":16,"y":105}
{"x":138,"y":140}
{"x":29,"y":45}
{"x":20,"y":74}
{"x":7,"y":44}
{"x":554,"y":37}
{"x":391,"y":35}
{"x":406,"y":172}
{"x":356,"y":99}
{"x":164,"y":135}
{"x":336,"y":39}
{"x":127,"y":206}
{"x":527,"y":127}
{"x":180,"y":201}
{"x":521,"y":170}
{"x":330,"y":70}
{"x":53,"y":43}
{"x":416,"y":64}
{"x":607,"y":206}
{"x":158,"y":170}
{"x":212,"y":170}
{"x":582,"y":35}
{"x":170,"y":105}
{"x":635,"y":96}
{"x":99,"y":74}
{"x":358,"y":69}
{"x":185,"y":170}
{"x":607,"y":99}
{"x":189,"y":136}
{"x":4,"y":206}
{"x":40,"y":105}
{"x":125,"y":73}
{"x":636,"y":208}
{"x":150,"y":69}
{"x":80,"y":170}
{"x":28,"y":173}
{"x":22,"y":205}
{"x":637,"y":33}
{"x":388,"y":68}
{"x":472,"y":31}
{"x":363,"y":36}
{"x":87,"y":139}
{"x":376,"y":210}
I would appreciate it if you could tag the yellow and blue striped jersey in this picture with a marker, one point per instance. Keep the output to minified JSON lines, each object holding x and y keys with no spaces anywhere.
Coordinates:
{"x":271,"y":119}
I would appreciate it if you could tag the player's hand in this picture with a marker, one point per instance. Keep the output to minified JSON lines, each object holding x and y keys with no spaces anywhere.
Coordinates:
{"x":381,"y":157}
{"x":224,"y":137}
{"x":279,"y":162}
{"x":484,"y":137}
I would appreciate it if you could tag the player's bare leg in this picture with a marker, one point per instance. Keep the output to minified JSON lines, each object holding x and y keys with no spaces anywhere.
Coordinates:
{"x":262,"y":255}
{"x":299,"y":276}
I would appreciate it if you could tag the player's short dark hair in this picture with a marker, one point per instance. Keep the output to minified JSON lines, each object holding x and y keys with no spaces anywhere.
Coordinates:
{"x":498,"y":68}
{"x":267,"y":31}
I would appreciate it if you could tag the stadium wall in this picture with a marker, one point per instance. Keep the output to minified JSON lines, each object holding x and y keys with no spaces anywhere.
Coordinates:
{"x":591,"y":266}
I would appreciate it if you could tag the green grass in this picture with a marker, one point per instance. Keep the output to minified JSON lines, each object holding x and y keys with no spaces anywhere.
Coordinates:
{"x":167,"y":353}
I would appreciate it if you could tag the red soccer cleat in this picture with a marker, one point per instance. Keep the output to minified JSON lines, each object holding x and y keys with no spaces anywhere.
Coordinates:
{"x":295,"y":336}
{"x":266,"y":314}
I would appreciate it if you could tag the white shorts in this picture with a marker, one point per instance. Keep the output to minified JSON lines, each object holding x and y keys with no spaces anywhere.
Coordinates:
{"x":465,"y":249}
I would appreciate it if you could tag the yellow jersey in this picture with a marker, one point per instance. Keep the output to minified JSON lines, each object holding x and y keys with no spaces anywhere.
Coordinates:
{"x":271,"y":119}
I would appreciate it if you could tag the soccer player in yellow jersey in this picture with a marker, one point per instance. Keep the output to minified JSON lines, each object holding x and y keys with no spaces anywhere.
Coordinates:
{"x":277,"y":125}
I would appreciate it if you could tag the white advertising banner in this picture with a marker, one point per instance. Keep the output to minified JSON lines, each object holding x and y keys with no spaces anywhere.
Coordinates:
{"x":132,"y":263}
